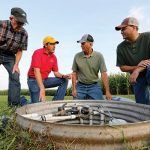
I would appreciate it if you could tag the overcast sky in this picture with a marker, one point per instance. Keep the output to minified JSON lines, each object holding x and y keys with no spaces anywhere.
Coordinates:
{"x":67,"y":21}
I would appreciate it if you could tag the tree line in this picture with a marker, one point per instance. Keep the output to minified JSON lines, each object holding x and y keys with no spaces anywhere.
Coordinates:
{"x":118,"y":83}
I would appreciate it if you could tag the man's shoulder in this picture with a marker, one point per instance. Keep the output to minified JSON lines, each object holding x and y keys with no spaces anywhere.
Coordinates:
{"x":97,"y":53}
{"x":4,"y":22}
{"x":145,"y":34}
{"x":23,"y":30}
{"x":122,"y":44}
{"x":41,"y":51}
{"x":38,"y":51}
{"x":79,"y":54}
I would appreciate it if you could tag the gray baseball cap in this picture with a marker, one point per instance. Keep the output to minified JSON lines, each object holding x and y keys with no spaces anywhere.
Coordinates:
{"x":19,"y":14}
{"x":85,"y":38}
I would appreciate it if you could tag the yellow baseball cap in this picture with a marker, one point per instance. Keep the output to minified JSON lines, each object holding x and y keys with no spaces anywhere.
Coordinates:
{"x":49,"y":39}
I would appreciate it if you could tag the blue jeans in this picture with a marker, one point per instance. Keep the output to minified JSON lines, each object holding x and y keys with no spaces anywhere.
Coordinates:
{"x":88,"y":91}
{"x":48,"y":83}
{"x":8,"y":62}
{"x":142,"y":88}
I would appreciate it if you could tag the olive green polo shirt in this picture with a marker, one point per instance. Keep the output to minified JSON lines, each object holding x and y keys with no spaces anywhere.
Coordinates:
{"x":131,"y":54}
{"x":87,"y":69}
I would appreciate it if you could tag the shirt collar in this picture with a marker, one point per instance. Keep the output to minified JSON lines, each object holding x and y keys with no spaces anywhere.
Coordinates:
{"x":13,"y":30}
{"x":91,"y":55}
{"x":45,"y":52}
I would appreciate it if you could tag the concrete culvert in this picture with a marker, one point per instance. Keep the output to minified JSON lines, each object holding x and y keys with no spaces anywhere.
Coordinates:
{"x":88,"y":124}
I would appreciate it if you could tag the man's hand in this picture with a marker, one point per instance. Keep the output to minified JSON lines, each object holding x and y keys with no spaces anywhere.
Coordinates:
{"x":42,"y":97}
{"x":16,"y":69}
{"x":144,"y":63}
{"x":74,"y":93}
{"x":108,"y":96}
{"x":67,"y":76}
{"x":133,"y":76}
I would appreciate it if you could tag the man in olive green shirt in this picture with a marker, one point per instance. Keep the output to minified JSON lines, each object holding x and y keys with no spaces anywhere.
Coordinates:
{"x":86,"y":67}
{"x":133,"y":56}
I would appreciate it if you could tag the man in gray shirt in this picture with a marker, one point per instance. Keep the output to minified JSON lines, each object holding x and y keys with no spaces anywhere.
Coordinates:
{"x":86,"y":66}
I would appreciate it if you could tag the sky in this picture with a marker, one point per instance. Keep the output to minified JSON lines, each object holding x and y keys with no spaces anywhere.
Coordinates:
{"x":68,"y":21}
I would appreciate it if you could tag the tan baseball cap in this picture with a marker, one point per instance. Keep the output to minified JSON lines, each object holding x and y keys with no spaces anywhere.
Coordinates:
{"x":128,"y":21}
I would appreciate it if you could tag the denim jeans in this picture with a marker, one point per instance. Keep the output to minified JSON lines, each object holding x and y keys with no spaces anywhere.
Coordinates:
{"x":48,"y":83}
{"x":89,"y":91}
{"x":8,"y":62}
{"x":142,"y":88}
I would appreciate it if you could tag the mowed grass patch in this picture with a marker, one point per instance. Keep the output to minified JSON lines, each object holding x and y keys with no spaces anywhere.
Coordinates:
{"x":4,"y":103}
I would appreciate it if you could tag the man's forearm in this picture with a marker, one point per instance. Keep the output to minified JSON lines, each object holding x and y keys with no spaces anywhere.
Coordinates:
{"x":128,"y":68}
{"x":58,"y":75}
{"x":39,"y":78}
{"x":18,"y":57}
{"x":74,"y":78}
{"x":105,"y":81}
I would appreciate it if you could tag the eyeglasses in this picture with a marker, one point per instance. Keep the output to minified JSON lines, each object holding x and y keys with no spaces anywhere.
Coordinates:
{"x":124,"y":28}
{"x":20,"y":23}
{"x":83,"y":43}
{"x":17,"y":22}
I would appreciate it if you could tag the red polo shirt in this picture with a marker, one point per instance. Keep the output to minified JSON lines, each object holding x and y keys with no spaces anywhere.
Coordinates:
{"x":46,"y":63}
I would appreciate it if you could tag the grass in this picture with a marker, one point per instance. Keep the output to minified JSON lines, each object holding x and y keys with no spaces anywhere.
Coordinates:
{"x":128,"y":96}
{"x":3,"y":99}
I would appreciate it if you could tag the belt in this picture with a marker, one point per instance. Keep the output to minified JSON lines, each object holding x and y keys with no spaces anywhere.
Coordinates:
{"x":31,"y":78}
{"x":86,"y":83}
{"x":3,"y":52}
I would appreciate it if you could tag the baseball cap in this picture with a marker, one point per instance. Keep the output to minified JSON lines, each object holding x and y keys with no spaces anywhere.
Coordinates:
{"x":19,"y":14}
{"x":128,"y":21}
{"x":85,"y":38}
{"x":49,"y":39}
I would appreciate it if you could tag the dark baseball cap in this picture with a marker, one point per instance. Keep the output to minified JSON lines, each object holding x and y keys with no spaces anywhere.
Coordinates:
{"x":85,"y":38}
{"x":19,"y":14}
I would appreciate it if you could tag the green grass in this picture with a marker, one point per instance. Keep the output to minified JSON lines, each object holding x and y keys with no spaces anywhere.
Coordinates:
{"x":127,"y":96}
{"x":3,"y":100}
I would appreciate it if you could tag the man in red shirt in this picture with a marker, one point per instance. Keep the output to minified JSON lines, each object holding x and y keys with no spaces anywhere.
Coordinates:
{"x":43,"y":62}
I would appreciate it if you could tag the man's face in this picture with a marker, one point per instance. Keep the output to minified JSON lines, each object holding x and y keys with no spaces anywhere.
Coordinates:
{"x":127,"y":32}
{"x":85,"y":46}
{"x":51,"y":47}
{"x":15,"y":24}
